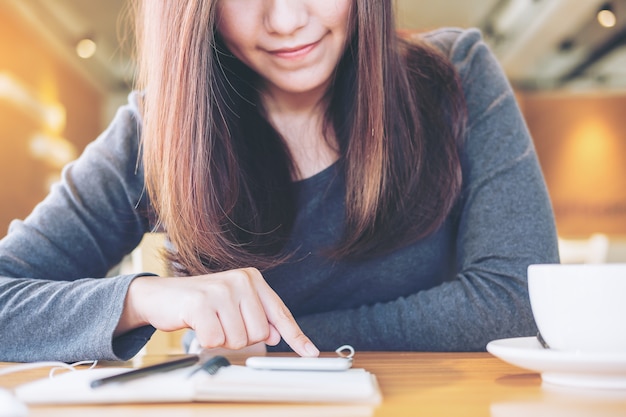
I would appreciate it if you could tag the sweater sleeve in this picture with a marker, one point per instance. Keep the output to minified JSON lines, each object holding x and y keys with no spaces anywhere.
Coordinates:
{"x":505,"y":223}
{"x":54,"y":303}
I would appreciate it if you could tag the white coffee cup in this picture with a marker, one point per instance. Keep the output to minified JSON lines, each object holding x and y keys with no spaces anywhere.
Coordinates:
{"x":580,"y":307}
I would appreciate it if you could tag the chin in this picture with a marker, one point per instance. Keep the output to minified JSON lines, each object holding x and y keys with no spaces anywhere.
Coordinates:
{"x":302,"y":87}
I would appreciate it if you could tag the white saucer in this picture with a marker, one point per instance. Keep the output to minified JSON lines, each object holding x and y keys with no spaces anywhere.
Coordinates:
{"x":574,"y":369}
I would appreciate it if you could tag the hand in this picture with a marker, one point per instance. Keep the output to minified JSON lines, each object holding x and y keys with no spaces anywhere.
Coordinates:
{"x":258,"y":349}
{"x":231,"y":310}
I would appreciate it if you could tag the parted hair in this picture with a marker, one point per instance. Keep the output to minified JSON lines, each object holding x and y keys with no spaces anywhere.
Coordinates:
{"x":219,"y":176}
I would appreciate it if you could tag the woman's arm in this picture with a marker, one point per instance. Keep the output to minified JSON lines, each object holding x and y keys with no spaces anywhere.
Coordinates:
{"x":95,"y":216}
{"x":51,"y":304}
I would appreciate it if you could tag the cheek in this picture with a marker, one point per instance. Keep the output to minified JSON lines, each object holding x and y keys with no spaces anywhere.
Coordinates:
{"x":341,"y":10}
{"x":224,"y":26}
{"x":234,"y":26}
{"x":337,"y":16}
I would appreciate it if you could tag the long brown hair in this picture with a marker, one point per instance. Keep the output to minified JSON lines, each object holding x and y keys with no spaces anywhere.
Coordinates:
{"x":219,"y":176}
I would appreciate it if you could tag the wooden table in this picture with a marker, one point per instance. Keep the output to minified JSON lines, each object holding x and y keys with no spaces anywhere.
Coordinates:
{"x":412,"y":384}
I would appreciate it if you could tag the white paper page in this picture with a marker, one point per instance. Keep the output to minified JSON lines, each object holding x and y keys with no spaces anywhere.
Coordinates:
{"x":236,"y":383}
{"x":233,"y":383}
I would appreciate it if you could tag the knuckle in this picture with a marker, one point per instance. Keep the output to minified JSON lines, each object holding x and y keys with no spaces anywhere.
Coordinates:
{"x":252,"y":273}
{"x":211,"y":340}
{"x":251,"y":270}
{"x":258,"y":334}
{"x":283,"y":314}
{"x":238,"y":278}
{"x":237,"y":343}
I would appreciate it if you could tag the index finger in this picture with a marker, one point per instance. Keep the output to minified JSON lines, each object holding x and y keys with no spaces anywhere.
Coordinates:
{"x":279,"y":316}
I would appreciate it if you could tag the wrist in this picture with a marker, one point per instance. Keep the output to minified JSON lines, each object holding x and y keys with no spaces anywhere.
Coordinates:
{"x":132,"y":317}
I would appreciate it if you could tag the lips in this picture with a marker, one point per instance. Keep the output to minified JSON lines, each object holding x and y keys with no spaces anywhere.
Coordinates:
{"x":294,"y":52}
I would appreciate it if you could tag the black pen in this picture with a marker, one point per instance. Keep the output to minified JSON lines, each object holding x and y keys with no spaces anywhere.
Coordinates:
{"x":147,"y":371}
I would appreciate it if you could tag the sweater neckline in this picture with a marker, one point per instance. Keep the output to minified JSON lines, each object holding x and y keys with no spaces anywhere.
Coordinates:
{"x":321,"y":177}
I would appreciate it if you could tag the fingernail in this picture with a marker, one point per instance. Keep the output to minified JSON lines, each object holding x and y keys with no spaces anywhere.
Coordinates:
{"x":310,"y":349}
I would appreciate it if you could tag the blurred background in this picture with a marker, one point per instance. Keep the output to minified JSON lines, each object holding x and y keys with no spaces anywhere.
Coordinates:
{"x":65,"y":67}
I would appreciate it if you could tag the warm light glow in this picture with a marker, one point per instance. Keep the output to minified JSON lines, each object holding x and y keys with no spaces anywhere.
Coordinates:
{"x":607,"y":18}
{"x":55,"y":151}
{"x":55,"y":117}
{"x":589,"y":158}
{"x":51,"y":115}
{"x":85,"y":48}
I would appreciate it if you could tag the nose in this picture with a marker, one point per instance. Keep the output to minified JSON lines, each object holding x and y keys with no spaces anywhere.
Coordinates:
{"x":285,"y":17}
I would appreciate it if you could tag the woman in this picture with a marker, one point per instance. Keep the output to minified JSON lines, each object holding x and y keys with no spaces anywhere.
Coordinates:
{"x":304,"y":162}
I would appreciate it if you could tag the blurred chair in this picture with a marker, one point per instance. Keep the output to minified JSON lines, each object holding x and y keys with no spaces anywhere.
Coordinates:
{"x":593,"y":250}
{"x":147,"y":257}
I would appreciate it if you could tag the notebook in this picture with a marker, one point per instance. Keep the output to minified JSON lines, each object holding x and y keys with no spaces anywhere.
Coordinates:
{"x":234,"y":383}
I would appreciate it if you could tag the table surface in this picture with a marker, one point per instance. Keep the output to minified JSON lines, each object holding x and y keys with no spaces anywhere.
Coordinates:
{"x":412,"y":384}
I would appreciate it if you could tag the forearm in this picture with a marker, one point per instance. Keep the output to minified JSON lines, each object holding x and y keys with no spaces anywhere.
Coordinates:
{"x":462,"y":315}
{"x":67,"y":321}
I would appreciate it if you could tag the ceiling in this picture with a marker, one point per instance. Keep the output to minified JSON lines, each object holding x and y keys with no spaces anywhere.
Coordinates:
{"x":542,"y":44}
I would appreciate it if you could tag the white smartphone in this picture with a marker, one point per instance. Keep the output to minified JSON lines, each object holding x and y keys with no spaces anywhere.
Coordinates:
{"x":298,"y":364}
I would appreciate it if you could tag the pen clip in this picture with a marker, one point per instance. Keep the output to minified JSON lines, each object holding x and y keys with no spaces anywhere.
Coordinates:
{"x":211,"y":366}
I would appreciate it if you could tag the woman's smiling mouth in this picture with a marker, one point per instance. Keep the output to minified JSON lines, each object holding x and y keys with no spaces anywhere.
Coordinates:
{"x":296,"y":52}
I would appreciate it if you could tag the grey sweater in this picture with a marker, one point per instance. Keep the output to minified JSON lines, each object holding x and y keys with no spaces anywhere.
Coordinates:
{"x":452,"y":291}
